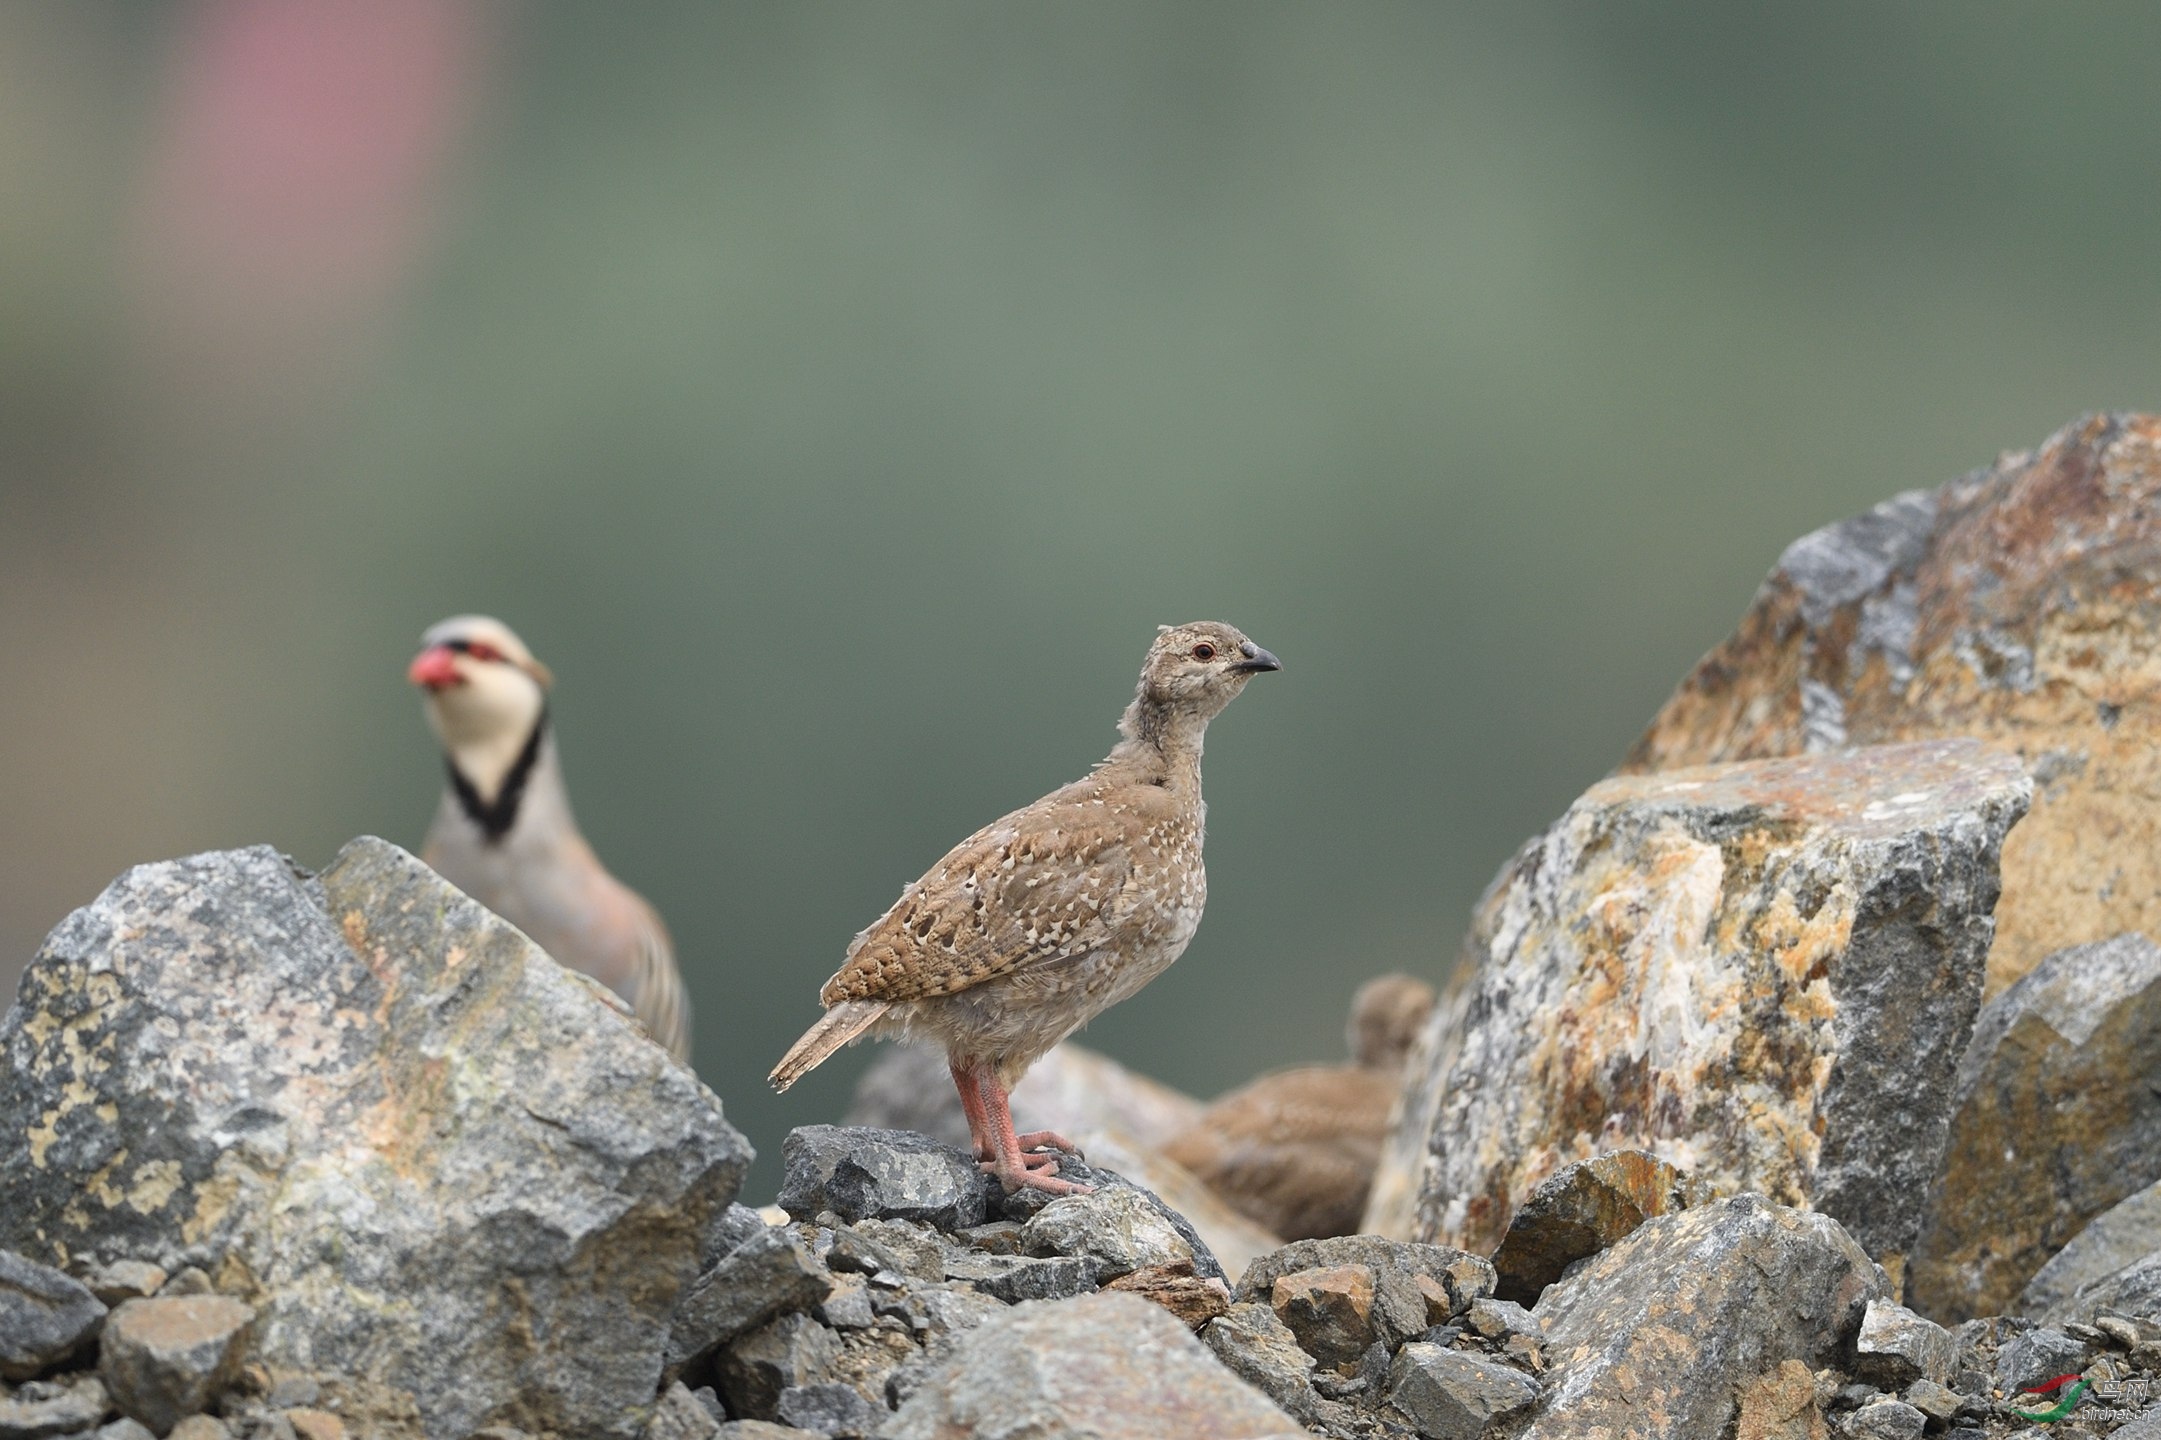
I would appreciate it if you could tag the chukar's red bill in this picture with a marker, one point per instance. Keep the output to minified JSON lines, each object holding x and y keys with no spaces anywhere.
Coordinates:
{"x":504,"y":833}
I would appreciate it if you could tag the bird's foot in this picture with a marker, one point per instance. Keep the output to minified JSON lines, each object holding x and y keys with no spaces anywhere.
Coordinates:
{"x":1034,"y":1172}
{"x":1050,"y":1140}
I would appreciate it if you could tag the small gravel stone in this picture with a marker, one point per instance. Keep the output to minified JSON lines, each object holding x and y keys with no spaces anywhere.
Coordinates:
{"x":1886,"y":1420}
{"x":1498,"y":1319}
{"x":126,"y":1429}
{"x":829,"y":1409}
{"x":1329,"y":1309}
{"x":1938,"y":1402}
{"x":120,"y":1281}
{"x":2036,"y":1357}
{"x":1118,"y":1231}
{"x":679,"y":1416}
{"x":209,"y":1427}
{"x":40,"y":1409}
{"x":1897,"y":1347}
{"x":168,"y":1357}
{"x":1448,"y":1395}
{"x":793,"y":1350}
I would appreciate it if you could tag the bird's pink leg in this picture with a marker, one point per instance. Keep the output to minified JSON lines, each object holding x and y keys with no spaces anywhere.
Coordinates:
{"x":971,"y":1105}
{"x":1016,"y":1170}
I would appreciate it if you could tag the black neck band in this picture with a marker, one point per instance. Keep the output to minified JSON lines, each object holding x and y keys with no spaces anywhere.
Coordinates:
{"x":496,"y":819}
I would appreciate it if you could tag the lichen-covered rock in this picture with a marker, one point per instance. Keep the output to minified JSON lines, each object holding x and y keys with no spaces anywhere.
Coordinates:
{"x":44,"y":1316}
{"x":1897,"y":1347}
{"x":163,"y":1360}
{"x":1580,"y":1210}
{"x":2114,"y":1241}
{"x":2057,"y":1119}
{"x":1447,"y":1395}
{"x":1764,"y":973}
{"x":2020,"y":605}
{"x":1655,"y":1336}
{"x":1104,"y":1367}
{"x":449,"y":1173}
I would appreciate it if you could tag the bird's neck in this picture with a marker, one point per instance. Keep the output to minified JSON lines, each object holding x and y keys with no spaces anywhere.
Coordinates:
{"x":499,"y":785}
{"x":1161,"y":740}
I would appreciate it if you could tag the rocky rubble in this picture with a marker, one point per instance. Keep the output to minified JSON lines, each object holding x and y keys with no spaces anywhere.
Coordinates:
{"x":294,"y":1157}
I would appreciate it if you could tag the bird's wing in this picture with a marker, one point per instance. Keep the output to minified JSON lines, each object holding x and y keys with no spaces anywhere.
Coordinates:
{"x":1046,"y":884}
{"x":656,"y":984}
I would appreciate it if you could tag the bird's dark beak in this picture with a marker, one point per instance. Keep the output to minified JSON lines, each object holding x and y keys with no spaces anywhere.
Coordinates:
{"x":1256,"y":660}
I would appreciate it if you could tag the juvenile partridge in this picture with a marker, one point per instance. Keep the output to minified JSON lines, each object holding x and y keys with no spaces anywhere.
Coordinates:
{"x":504,"y":833}
{"x":1295,"y":1150}
{"x":1041,"y":920}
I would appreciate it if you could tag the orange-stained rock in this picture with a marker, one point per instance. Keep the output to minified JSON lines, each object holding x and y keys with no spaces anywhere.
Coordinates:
{"x":1175,"y":1287}
{"x":1329,"y":1309}
{"x":1781,"y":1405}
{"x":2020,"y":604}
{"x":1580,"y":1211}
{"x":1764,"y":973}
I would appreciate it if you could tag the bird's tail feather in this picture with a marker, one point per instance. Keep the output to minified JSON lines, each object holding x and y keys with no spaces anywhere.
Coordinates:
{"x":837,"y":1027}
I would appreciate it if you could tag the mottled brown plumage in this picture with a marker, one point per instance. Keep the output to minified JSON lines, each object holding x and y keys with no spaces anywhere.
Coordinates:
{"x":1043,"y":919}
{"x":1295,"y":1151}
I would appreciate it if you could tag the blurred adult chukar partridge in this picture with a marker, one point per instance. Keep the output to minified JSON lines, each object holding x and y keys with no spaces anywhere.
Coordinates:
{"x":1295,"y":1150}
{"x":504,"y":833}
{"x":1041,"y":920}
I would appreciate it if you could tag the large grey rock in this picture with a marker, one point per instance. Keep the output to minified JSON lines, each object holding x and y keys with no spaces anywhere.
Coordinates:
{"x":2133,"y":1290}
{"x":44,"y":1316}
{"x":46,"y":1408}
{"x":166,"y":1359}
{"x":1886,"y":1420}
{"x":1448,"y":1395}
{"x":772,"y":1272}
{"x":1655,"y":1336}
{"x":2019,"y":605}
{"x":830,"y":1409}
{"x":449,"y":1173}
{"x":2057,"y":1120}
{"x":2111,"y":1243}
{"x":1764,"y":973}
{"x":1103,"y":1367}
{"x":679,"y":1416}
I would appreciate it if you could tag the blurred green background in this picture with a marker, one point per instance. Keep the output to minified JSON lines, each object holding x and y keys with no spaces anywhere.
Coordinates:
{"x":838,"y":395}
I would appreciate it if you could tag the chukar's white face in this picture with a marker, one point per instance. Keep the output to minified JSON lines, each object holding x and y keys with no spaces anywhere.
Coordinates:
{"x":485,"y":694}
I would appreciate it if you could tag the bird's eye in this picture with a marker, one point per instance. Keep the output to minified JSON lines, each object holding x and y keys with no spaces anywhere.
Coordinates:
{"x":1204,"y":651}
{"x":481,"y":650}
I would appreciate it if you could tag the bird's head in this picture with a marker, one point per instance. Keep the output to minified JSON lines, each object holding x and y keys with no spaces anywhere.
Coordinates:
{"x":485,"y":691}
{"x":1201,"y":667}
{"x":1387,"y":1014}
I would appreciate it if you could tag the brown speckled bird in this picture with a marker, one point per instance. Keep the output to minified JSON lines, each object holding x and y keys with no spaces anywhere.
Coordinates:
{"x":1295,"y":1151}
{"x":504,"y":833}
{"x":1041,"y":920}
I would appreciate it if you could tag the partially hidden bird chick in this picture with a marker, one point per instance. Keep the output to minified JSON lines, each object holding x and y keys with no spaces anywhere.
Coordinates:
{"x":1043,"y":919}
{"x":504,"y":833}
{"x":1295,"y":1150}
